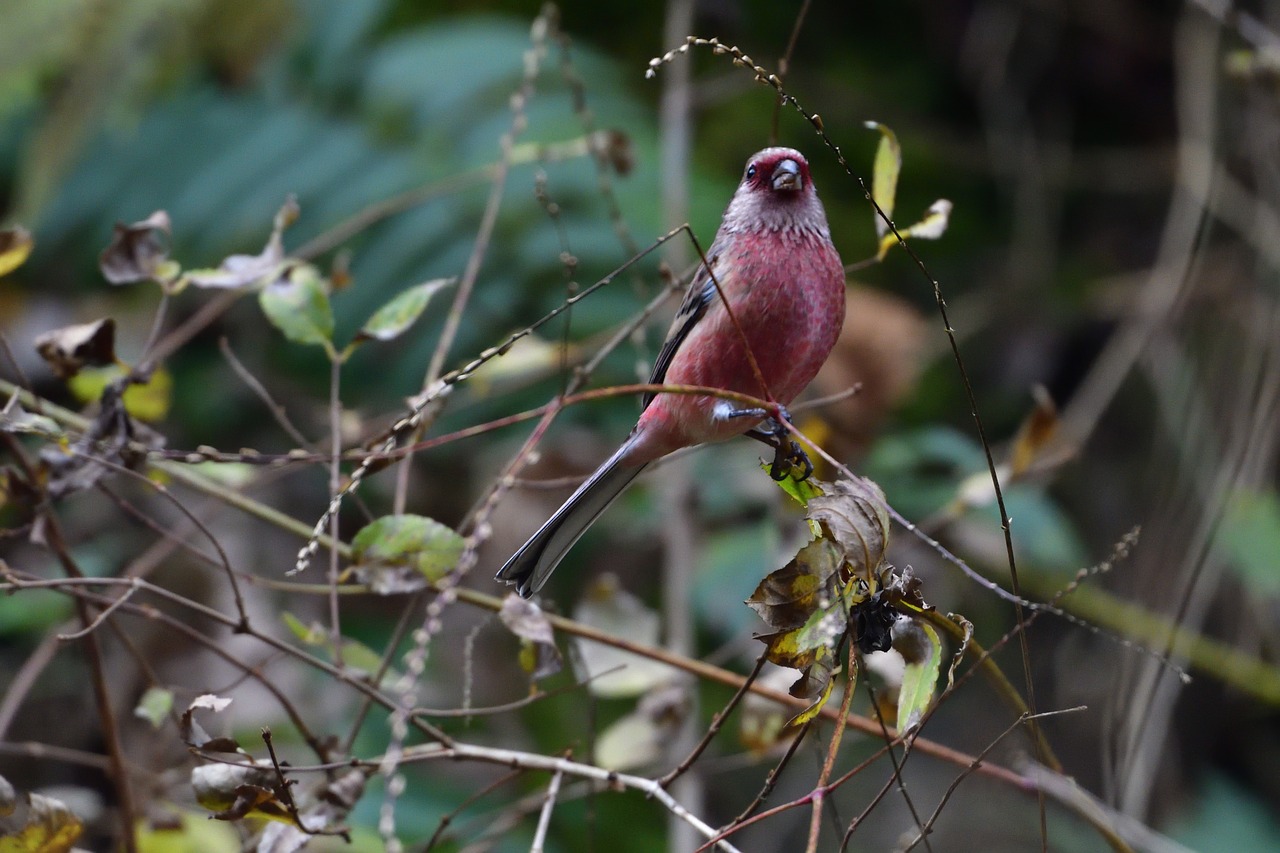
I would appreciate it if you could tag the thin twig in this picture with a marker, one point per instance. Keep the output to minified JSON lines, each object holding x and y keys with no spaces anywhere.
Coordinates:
{"x":164,"y":492}
{"x":101,"y":617}
{"x":716,"y":722}
{"x":530,"y":761}
{"x":897,"y":766}
{"x":964,"y":774}
{"x":97,"y":669}
{"x":544,"y":818}
{"x":447,"y":819}
{"x":771,"y":780}
{"x":818,"y":796}
{"x":277,"y":410}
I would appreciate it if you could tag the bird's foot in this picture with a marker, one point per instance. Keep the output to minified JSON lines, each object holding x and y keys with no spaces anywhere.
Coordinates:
{"x":787,"y":454}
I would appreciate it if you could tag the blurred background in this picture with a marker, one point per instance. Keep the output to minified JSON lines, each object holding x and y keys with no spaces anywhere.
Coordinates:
{"x":1112,"y":261}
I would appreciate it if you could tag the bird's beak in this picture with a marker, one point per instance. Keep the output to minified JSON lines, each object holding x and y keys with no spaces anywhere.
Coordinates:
{"x":786,"y":176}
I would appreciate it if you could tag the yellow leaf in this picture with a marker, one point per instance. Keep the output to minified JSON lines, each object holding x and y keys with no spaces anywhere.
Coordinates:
{"x":146,"y":402}
{"x":191,"y":833}
{"x":884,"y":173}
{"x":15,"y":246}
{"x":933,"y":226}
{"x":1035,"y":432}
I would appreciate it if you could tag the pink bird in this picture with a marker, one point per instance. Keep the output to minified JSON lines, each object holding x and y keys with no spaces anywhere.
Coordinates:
{"x":777,"y":268}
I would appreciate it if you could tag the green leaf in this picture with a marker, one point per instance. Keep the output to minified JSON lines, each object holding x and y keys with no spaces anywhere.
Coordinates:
{"x":799,"y":490}
{"x":297,"y":304}
{"x":399,"y":553}
{"x":311,"y":635}
{"x":1250,"y":537}
{"x":154,"y":706}
{"x":921,"y":648}
{"x":884,"y":173}
{"x":355,"y":654}
{"x":391,"y":320}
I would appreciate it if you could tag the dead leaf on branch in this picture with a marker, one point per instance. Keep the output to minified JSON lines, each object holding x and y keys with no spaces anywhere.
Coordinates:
{"x":113,"y":437}
{"x":238,"y":271}
{"x":809,"y":605}
{"x":811,"y":601}
{"x":140,"y":252}
{"x":37,"y":822}
{"x":71,"y":348}
{"x":194,"y":735}
{"x":538,"y":653}
{"x":852,"y":513}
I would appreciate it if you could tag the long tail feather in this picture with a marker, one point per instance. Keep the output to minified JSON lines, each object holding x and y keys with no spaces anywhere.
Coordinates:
{"x":530,"y":566}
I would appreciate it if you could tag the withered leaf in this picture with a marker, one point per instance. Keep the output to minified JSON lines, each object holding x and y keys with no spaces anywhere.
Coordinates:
{"x":219,"y":787}
{"x":613,"y":147}
{"x":1035,"y":432}
{"x":853,"y":514}
{"x":526,"y":620}
{"x":808,"y":605}
{"x":139,"y":252}
{"x":238,"y":271}
{"x":112,"y":437}
{"x":39,"y":823}
{"x":193,"y":734}
{"x":71,"y":348}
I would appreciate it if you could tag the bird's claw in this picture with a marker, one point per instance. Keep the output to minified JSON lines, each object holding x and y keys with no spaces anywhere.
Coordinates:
{"x":787,"y":454}
{"x":786,"y":460}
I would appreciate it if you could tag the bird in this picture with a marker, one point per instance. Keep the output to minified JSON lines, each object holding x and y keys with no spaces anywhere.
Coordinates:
{"x":773,"y":262}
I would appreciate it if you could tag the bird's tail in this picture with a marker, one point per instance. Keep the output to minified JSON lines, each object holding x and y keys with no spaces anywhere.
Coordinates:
{"x":530,"y":567}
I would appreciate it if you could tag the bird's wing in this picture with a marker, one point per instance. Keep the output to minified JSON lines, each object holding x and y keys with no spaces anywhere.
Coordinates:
{"x":701,"y":293}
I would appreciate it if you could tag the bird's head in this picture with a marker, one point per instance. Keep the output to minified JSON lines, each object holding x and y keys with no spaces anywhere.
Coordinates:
{"x":781,"y":171}
{"x":776,"y":193}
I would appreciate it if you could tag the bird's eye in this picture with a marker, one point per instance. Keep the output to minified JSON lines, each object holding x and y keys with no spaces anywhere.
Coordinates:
{"x":751,"y":171}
